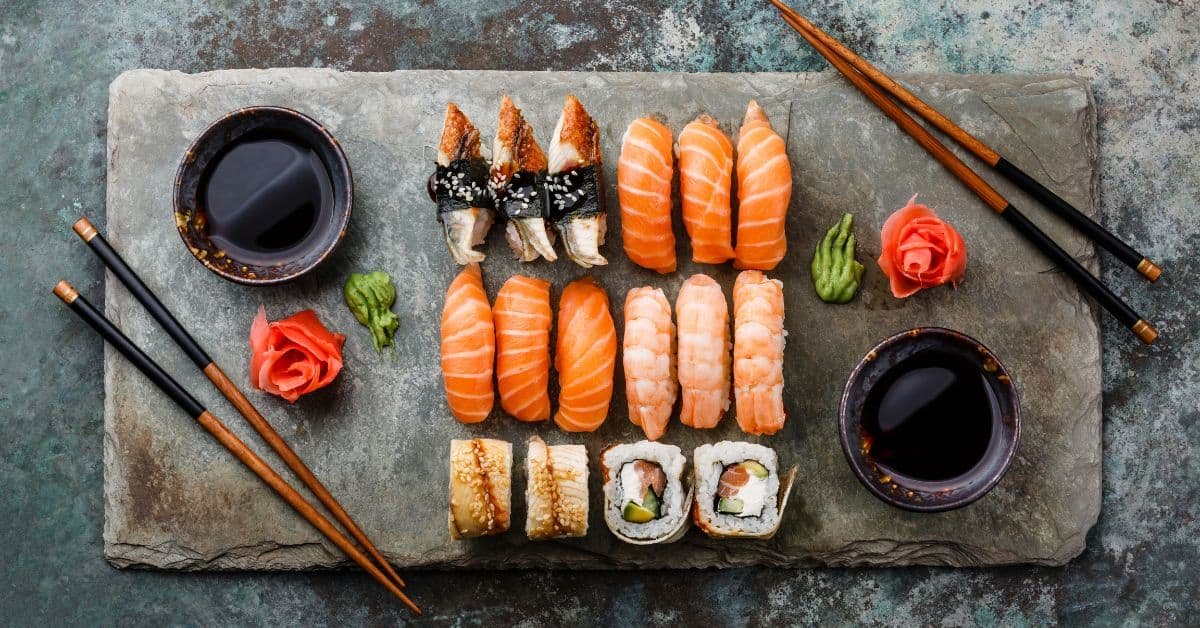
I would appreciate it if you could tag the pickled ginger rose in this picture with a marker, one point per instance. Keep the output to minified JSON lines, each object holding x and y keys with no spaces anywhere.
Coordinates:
{"x":293,"y":356}
{"x":920,"y":250}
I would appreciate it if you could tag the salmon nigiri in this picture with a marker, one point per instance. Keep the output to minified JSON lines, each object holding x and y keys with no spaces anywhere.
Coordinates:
{"x":764,"y":190}
{"x":468,"y":347}
{"x":648,"y":354}
{"x":522,"y":316}
{"x":585,"y":356}
{"x":459,"y":186}
{"x":574,"y":188}
{"x":644,"y":175}
{"x":702,"y":316}
{"x":705,"y":174}
{"x":758,"y":339}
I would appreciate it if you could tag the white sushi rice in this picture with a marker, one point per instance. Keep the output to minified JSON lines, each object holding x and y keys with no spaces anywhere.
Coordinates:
{"x":710,"y":461}
{"x":674,"y":504}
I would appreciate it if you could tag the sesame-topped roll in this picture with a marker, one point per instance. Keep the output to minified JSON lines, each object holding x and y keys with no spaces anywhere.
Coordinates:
{"x":480,"y":487}
{"x":557,"y":493}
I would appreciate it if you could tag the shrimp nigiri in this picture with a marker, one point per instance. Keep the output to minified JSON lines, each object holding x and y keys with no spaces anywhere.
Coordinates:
{"x":468,"y":347}
{"x":644,"y":175}
{"x":585,"y":356}
{"x":522,"y":316}
{"x":702,"y":316}
{"x":764,"y":190}
{"x":758,"y":339}
{"x":573,"y":186}
{"x":705,"y":174}
{"x":648,"y":354}
{"x":517,"y":177}
{"x":459,"y":186}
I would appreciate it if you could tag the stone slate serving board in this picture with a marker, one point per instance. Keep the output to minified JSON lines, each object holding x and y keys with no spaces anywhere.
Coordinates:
{"x":379,"y":436}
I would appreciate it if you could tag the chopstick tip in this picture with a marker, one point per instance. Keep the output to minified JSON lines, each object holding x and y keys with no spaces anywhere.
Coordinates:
{"x":66,"y":292}
{"x":1149,"y":269}
{"x":85,"y":229}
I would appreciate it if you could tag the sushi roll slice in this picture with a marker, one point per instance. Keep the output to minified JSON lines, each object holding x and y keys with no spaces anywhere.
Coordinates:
{"x":480,"y":487}
{"x":557,"y":494}
{"x":646,"y":498}
{"x":740,"y":492}
{"x":517,"y":182}
{"x":574,"y":191}
{"x":459,"y":186}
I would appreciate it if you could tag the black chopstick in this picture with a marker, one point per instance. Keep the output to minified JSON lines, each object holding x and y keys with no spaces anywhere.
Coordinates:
{"x":113,"y":260}
{"x":1119,"y":248}
{"x":236,"y":446}
{"x":1082,"y":277}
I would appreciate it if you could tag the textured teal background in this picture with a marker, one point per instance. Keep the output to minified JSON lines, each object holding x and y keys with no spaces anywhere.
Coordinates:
{"x":57,"y":58}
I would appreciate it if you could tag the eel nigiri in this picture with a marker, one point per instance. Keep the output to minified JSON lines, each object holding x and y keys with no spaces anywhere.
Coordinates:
{"x":644,"y":175}
{"x":468,"y":347}
{"x":648,"y":354}
{"x":517,"y":178}
{"x":758,"y":339}
{"x":702,"y":316}
{"x":459,"y":186}
{"x":705,"y":174}
{"x":573,"y":187}
{"x":764,"y":190}
{"x":585,"y":356}
{"x":522,"y":316}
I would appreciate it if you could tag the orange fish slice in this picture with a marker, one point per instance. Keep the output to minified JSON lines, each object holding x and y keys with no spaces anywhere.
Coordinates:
{"x":644,"y":175}
{"x":522,"y":316}
{"x":585,"y":356}
{"x":764,"y":191}
{"x":468,"y":347}
{"x":705,"y":174}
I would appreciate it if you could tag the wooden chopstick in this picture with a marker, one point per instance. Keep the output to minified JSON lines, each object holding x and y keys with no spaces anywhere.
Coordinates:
{"x":1118,"y":247}
{"x":1084,"y":279}
{"x":84,"y":228}
{"x":188,"y":403}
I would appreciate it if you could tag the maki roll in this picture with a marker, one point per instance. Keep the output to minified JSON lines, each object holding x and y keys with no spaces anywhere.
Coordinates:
{"x":740,"y":492}
{"x":557,"y":493}
{"x":645,"y":496}
{"x":480,"y":487}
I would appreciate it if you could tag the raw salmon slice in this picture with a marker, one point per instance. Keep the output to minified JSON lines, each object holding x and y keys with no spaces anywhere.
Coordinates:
{"x":705,"y":174}
{"x":764,"y":191}
{"x":522,"y":317}
{"x":468,"y":347}
{"x":585,"y":356}
{"x":644,"y":175}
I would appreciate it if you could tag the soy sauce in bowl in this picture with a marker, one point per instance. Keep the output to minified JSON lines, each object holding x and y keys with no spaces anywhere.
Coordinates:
{"x":263,"y":195}
{"x":930,"y":417}
{"x":267,"y":198}
{"x":929,"y":420}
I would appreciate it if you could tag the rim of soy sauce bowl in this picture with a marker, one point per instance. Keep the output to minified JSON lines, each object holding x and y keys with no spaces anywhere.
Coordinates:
{"x":190,"y":219}
{"x":913,"y":494}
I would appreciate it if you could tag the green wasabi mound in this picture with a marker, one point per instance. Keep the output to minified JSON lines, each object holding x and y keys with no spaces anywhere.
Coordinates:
{"x":835,"y":272}
{"x":370,"y":297}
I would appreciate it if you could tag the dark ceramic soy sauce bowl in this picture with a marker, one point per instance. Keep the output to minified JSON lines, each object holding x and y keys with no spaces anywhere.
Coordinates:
{"x":255,"y":122}
{"x":915,"y":494}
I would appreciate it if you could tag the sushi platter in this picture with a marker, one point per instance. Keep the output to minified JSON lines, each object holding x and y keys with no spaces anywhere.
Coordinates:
{"x":383,"y":434}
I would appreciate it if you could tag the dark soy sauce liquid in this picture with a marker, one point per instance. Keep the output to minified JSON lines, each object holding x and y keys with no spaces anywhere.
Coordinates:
{"x":268,"y":199}
{"x":930,"y":417}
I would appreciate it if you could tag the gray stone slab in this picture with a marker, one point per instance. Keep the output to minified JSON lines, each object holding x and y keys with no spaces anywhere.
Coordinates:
{"x":380,"y":434}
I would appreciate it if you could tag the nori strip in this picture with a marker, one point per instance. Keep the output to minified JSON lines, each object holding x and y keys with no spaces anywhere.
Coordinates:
{"x":573,"y":194}
{"x":461,"y":185}
{"x":523,"y":196}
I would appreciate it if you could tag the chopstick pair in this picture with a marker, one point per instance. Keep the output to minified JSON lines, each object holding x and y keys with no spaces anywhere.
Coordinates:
{"x":869,"y":80}
{"x":376,"y":565}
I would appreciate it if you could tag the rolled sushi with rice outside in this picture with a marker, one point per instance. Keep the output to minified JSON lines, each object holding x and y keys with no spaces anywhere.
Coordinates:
{"x":740,"y":492}
{"x":646,"y":496}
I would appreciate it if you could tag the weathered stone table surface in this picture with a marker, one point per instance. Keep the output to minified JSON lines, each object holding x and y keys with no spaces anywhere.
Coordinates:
{"x":57,"y":59}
